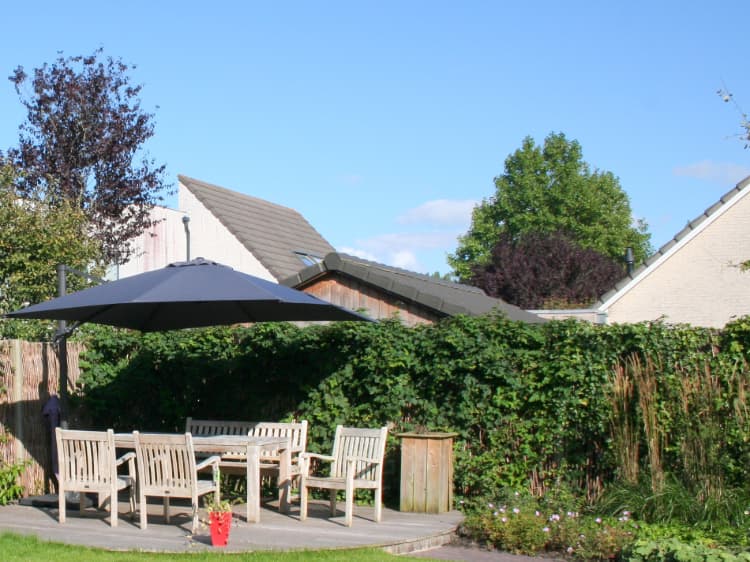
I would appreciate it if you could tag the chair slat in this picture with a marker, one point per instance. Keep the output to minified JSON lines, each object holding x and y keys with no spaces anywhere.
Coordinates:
{"x":87,"y":463}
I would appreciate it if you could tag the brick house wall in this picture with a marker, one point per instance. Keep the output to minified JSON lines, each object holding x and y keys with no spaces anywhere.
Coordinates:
{"x":699,"y":282}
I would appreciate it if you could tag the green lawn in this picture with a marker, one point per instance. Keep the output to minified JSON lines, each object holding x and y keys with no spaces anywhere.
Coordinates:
{"x":22,"y":548}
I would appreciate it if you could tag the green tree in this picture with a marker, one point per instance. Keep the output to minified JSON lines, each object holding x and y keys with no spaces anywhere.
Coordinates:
{"x":551,"y":189}
{"x":36,"y":235}
{"x":83,"y":141}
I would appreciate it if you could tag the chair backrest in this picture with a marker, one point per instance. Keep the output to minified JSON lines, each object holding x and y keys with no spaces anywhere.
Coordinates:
{"x":86,"y":459}
{"x":166,"y":463}
{"x":364,"y":443}
{"x":296,"y":432}
{"x":217,"y":427}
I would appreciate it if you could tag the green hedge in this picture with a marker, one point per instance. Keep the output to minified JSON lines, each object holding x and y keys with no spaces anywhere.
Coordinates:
{"x":529,"y":402}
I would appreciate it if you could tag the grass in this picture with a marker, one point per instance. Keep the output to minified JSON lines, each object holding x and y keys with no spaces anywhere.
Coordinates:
{"x":22,"y":548}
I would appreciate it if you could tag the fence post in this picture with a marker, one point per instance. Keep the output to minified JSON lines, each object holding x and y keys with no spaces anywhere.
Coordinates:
{"x":17,"y":364}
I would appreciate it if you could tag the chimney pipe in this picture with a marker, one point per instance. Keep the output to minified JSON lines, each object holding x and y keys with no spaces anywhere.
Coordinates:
{"x":185,"y":221}
{"x":629,"y":259}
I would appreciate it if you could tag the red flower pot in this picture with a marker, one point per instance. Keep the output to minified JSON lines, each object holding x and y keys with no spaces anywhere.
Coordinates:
{"x":219,"y":522}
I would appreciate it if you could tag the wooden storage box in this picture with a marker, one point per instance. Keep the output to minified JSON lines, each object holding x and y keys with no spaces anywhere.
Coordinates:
{"x":427,"y":472}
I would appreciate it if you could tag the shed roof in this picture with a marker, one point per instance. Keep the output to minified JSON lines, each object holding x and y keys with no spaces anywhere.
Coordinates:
{"x":274,"y":234}
{"x":444,"y":297}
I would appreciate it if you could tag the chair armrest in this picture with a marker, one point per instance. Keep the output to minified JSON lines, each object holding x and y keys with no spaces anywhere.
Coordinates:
{"x":351,"y":465}
{"x":124,"y":458}
{"x":304,"y":461}
{"x":128,"y":457}
{"x":362,"y":459}
{"x":212,"y":460}
{"x":308,"y":456}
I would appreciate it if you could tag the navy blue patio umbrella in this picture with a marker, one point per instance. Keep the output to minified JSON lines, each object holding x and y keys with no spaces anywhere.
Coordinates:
{"x":190,"y":294}
{"x":187,"y":295}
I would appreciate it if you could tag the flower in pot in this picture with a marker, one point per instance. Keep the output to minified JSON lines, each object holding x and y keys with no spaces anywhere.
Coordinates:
{"x":220,"y":520}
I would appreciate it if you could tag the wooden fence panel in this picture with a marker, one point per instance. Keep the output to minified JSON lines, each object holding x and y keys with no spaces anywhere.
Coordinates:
{"x":29,"y":375}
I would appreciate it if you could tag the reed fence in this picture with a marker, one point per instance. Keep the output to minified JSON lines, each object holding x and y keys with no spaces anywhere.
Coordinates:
{"x":29,"y":376}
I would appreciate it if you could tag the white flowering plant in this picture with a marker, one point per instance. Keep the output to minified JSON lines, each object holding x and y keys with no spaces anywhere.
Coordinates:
{"x":522,"y":524}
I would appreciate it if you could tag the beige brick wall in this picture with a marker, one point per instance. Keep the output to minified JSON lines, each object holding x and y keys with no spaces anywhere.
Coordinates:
{"x":700,"y":284}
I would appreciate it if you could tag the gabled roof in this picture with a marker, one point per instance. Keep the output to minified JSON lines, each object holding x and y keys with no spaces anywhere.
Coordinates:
{"x":272,"y":233}
{"x":681,"y":238}
{"x":441,"y":296}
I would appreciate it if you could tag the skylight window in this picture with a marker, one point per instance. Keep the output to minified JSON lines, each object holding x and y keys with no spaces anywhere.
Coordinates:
{"x":308,"y":259}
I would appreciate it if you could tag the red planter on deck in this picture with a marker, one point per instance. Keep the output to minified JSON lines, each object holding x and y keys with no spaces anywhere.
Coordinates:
{"x":220,"y":522}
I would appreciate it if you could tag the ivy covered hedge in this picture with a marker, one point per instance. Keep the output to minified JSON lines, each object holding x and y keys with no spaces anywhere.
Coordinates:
{"x":531,"y":404}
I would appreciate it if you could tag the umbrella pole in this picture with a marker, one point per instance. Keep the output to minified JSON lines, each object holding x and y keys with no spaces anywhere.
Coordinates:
{"x":62,"y":354}
{"x":62,"y":350}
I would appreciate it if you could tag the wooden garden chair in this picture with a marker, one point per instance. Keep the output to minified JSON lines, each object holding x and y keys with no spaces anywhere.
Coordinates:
{"x":356,"y":462}
{"x":296,"y":432}
{"x":87,"y":463}
{"x":167,"y":468}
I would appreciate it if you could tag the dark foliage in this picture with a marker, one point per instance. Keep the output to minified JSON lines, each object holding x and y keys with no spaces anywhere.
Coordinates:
{"x":546,"y":271}
{"x":82,"y":142}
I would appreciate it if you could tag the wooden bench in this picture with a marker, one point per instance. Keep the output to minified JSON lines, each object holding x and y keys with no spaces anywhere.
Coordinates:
{"x":296,"y":432}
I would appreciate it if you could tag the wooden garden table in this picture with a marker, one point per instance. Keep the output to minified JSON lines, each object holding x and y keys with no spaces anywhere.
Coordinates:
{"x":239,"y":450}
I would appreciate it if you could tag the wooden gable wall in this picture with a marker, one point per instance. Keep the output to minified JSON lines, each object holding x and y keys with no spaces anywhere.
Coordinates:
{"x":376,"y":303}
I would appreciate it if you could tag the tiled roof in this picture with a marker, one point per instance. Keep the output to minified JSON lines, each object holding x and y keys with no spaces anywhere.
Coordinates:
{"x":679,"y":237}
{"x":272,"y":233}
{"x":441,"y":296}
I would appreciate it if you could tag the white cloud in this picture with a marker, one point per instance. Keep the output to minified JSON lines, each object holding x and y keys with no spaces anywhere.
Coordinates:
{"x":358,"y":253}
{"x":442,"y":212}
{"x":405,"y":259}
{"x":724,"y":173}
{"x":415,"y":251}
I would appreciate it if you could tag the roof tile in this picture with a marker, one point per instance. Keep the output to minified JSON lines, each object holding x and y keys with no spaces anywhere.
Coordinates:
{"x":271,"y":232}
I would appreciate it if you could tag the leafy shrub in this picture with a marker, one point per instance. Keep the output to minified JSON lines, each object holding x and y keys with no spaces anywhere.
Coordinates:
{"x":730,"y":537}
{"x":675,"y":550}
{"x":10,"y":489}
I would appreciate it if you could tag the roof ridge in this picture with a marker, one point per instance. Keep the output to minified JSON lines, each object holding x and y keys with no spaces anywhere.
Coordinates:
{"x":412,"y":274}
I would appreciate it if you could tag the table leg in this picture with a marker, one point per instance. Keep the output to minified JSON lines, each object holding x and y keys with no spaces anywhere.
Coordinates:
{"x":253,"y":483}
{"x":285,"y":479}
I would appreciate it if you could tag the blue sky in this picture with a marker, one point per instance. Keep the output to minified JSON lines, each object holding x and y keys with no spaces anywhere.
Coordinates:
{"x":384,"y":122}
